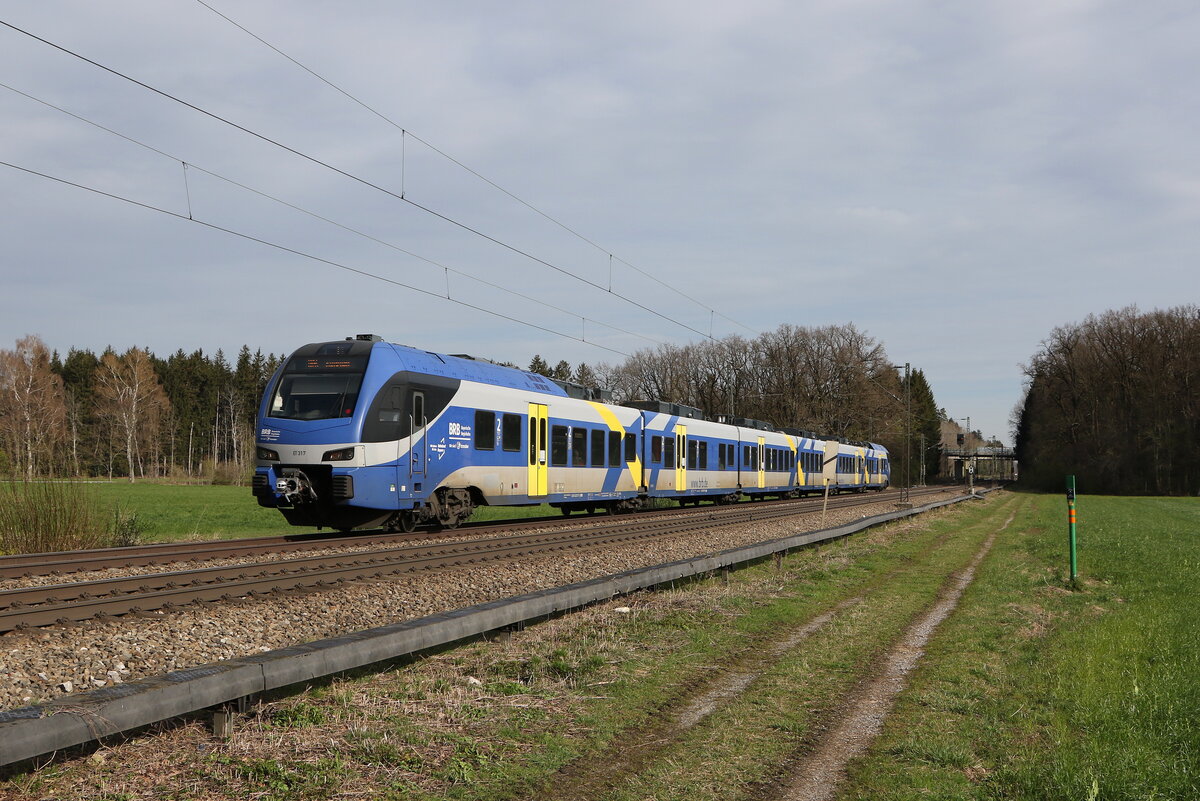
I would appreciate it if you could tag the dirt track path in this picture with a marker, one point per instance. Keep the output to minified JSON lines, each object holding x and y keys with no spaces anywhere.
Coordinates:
{"x":819,"y":776}
{"x":855,"y":722}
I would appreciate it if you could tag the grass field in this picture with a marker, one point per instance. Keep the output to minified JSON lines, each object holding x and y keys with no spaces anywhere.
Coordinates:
{"x":1033,"y":691}
{"x":167,"y":512}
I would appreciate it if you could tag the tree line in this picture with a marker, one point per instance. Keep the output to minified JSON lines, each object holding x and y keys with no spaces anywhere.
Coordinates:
{"x":1115,"y":401}
{"x":129,"y":414}
{"x":832,"y":380}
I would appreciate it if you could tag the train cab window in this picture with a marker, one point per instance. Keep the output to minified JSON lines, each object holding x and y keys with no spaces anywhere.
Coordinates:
{"x":558,"y":445}
{"x":656,"y":449}
{"x":669,"y":453}
{"x":418,"y":410}
{"x":631,"y":447}
{"x":485,"y":431}
{"x":598,"y":448}
{"x":510,"y":434}
{"x":579,"y":447}
{"x":691,"y":454}
{"x":614,"y":448}
{"x":703,"y":456}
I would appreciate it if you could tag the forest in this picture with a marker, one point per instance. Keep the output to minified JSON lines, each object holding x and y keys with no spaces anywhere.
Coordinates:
{"x":131,"y":414}
{"x":191,"y":416}
{"x":1115,"y":401}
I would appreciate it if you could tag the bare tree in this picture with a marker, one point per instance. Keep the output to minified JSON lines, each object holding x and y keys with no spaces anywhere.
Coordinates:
{"x":32,"y":406}
{"x":130,"y":398}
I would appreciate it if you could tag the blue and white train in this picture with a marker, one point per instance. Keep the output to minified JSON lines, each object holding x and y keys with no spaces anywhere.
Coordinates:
{"x":363,"y":433}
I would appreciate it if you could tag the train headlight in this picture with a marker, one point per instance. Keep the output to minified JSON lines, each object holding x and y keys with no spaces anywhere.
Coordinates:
{"x":265,"y":455}
{"x":340,"y":455}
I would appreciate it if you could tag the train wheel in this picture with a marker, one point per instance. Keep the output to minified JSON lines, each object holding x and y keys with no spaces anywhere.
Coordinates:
{"x":566,"y":510}
{"x":407,"y":522}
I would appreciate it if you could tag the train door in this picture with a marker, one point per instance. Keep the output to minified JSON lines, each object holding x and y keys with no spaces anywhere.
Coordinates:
{"x":762,"y":462}
{"x":418,"y":453}
{"x":539,"y":419}
{"x":680,"y":458}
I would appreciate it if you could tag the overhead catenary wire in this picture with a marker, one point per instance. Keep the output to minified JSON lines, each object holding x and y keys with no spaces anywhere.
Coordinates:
{"x":337,"y":170}
{"x":188,"y":165}
{"x":405,"y":133}
{"x":303,"y":254}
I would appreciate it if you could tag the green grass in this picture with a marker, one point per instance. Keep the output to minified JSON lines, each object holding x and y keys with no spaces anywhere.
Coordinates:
{"x":196,"y":511}
{"x":167,"y":512}
{"x":1036,"y":691}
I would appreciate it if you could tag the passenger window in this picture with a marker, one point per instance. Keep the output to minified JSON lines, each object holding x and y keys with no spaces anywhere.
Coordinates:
{"x":511,"y":435}
{"x":597,"y":448}
{"x":631,"y":447}
{"x":485,"y":431}
{"x":703,"y":460}
{"x":691,"y":454}
{"x":614,"y":448}
{"x":558,"y":445}
{"x":669,"y":453}
{"x":579,"y":447}
{"x":656,"y":449}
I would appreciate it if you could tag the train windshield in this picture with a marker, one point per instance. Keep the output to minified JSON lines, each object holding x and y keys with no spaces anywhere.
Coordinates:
{"x":318,"y":388}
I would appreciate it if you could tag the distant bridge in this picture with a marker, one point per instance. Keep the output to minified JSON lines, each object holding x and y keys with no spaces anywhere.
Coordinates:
{"x":988,"y":463}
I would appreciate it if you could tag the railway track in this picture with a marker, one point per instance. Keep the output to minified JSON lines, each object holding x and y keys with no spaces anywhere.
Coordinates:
{"x":15,"y":566}
{"x":72,"y":602}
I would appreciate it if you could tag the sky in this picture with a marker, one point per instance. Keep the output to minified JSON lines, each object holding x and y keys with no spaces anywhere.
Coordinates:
{"x":955,"y":179}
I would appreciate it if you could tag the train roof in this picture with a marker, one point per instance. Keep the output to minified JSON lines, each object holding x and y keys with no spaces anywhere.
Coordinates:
{"x":397,"y":358}
{"x":468,"y":368}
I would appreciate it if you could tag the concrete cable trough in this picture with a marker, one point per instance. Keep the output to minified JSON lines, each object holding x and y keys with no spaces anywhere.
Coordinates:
{"x":35,"y":731}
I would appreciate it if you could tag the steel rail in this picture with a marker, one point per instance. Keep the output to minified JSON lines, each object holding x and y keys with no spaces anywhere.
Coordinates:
{"x":74,"y":602}
{"x":65,"y":562}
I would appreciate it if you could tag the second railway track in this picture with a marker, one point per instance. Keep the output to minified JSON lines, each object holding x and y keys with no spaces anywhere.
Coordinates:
{"x":65,"y":603}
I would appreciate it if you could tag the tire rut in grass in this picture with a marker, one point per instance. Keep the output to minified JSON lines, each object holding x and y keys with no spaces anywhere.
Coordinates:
{"x":818,"y":775}
{"x":632,"y":751}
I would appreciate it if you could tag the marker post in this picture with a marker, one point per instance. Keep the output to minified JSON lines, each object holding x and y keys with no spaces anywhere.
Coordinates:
{"x":1071,"y":526}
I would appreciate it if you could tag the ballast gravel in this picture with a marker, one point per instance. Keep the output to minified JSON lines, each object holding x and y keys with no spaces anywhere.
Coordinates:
{"x":41,"y":664}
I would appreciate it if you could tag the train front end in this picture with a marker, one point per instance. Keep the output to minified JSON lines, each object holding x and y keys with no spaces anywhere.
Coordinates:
{"x":312,"y":464}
